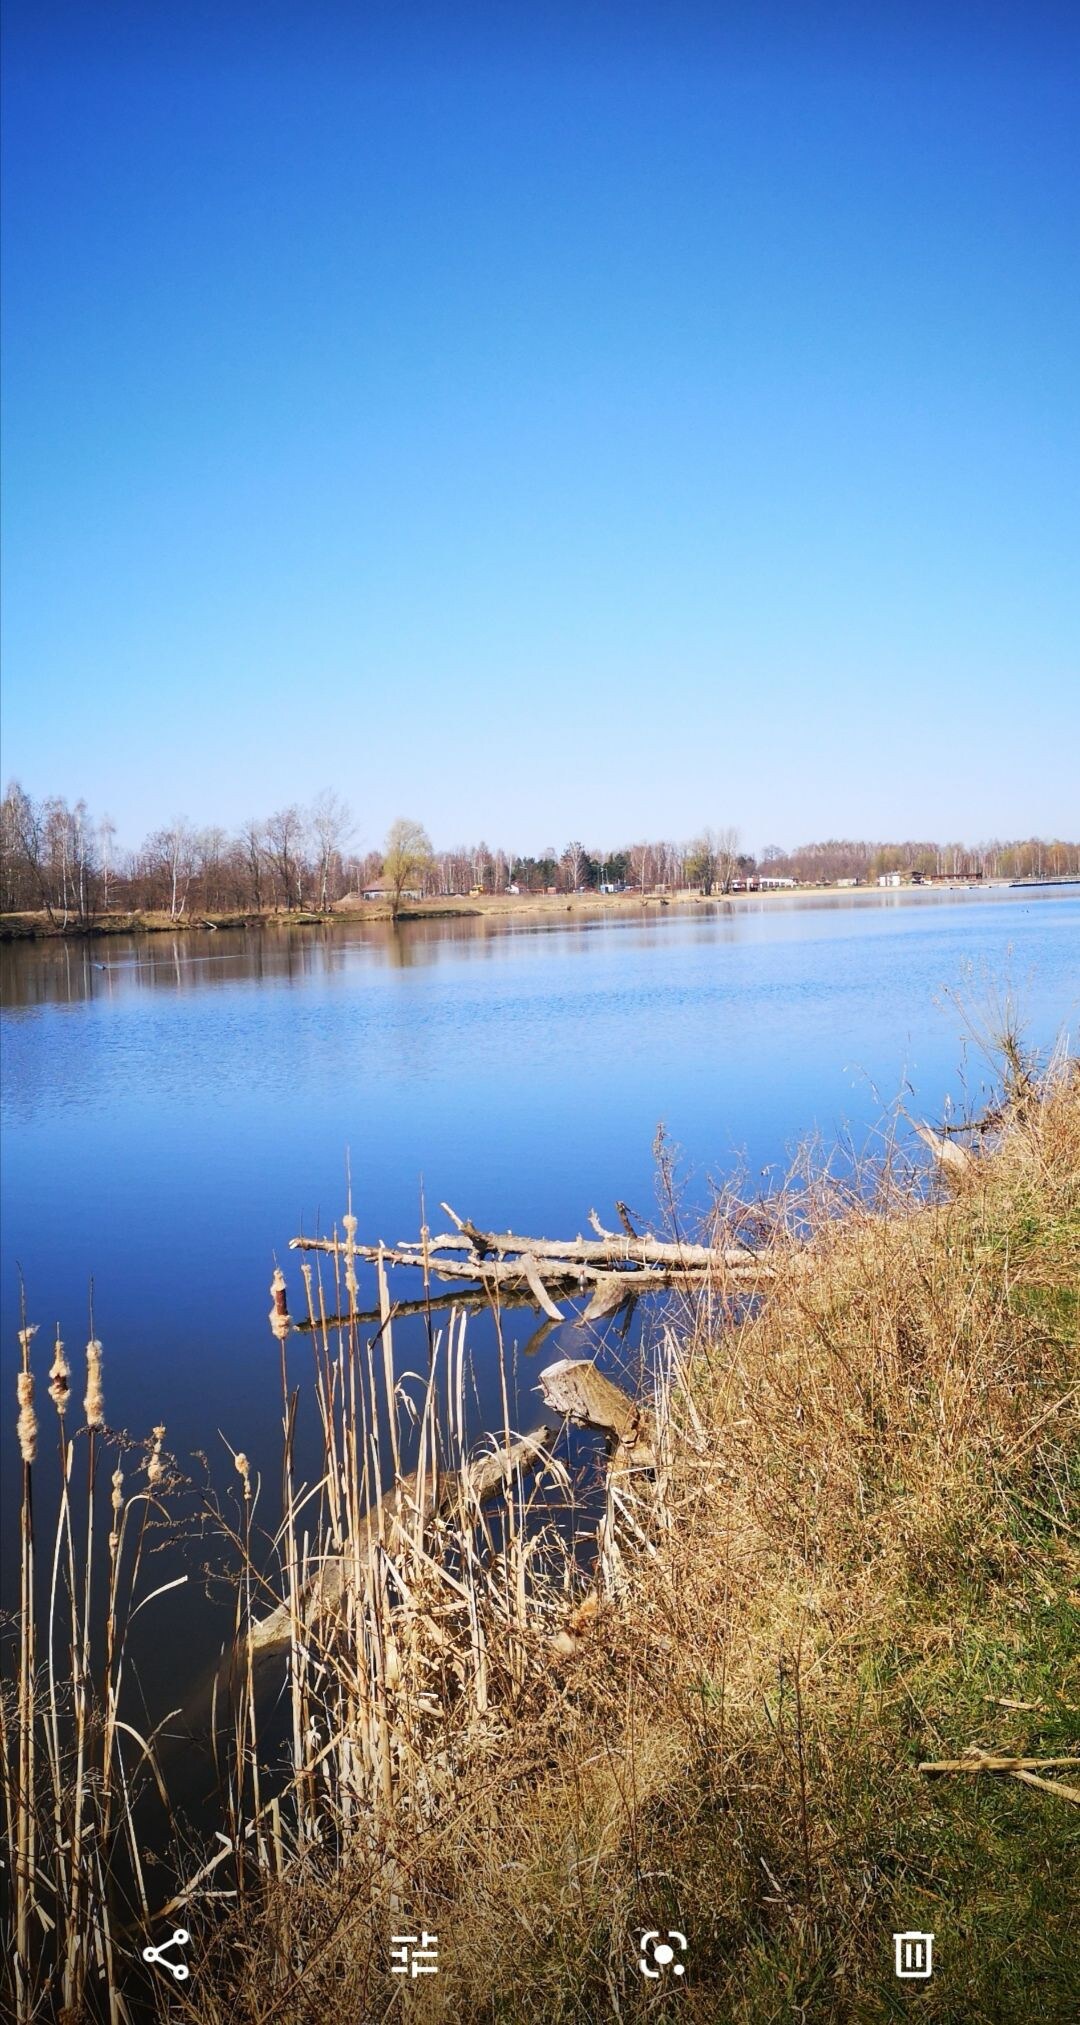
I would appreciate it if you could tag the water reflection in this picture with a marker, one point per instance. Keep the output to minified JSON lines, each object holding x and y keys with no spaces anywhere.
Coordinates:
{"x":62,"y":971}
{"x":177,"y":1107}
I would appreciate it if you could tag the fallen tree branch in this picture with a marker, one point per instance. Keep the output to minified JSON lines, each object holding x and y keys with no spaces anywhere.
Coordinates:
{"x":1070,"y":1793}
{"x":608,"y":1248}
{"x":558,"y":1266}
{"x":1027,"y":1770}
{"x":478,"y":1482}
{"x":579,"y":1392}
{"x":986,"y":1761}
{"x":953,"y":1159}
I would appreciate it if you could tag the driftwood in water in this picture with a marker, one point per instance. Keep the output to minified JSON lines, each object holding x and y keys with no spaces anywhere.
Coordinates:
{"x":574,"y":1388}
{"x":607,"y":1248}
{"x":581,"y":1393}
{"x":610,"y":1267}
{"x":561,"y":1261}
{"x":951,"y":1158}
{"x":408,"y":1503}
{"x":608,"y":1287}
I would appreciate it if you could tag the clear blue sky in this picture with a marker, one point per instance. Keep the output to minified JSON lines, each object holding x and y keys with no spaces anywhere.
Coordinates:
{"x":578,"y":419}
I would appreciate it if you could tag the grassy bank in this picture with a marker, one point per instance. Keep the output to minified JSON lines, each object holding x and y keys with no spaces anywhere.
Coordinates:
{"x":854,"y":1550}
{"x":494,"y":906}
{"x":540,"y":906}
{"x":862,"y":1556}
{"x":39,"y":927}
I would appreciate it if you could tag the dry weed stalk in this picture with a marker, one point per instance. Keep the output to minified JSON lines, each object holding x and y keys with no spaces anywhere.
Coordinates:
{"x":843,"y":1444}
{"x":68,"y":1791}
{"x":487,"y":1716}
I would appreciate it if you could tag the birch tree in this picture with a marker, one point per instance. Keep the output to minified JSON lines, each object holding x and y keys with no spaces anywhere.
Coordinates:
{"x":574,"y":861}
{"x":332,"y":826}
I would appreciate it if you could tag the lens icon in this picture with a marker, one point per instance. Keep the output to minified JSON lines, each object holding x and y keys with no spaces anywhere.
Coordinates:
{"x":658,"y":1953}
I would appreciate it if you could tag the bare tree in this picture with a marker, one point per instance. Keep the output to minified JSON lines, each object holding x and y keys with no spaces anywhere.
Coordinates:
{"x":283,"y":844}
{"x":106,"y":837}
{"x":209,"y":847}
{"x":332,"y":826}
{"x":406,"y":859}
{"x":641,"y":865}
{"x":253,"y":846}
{"x":26,"y":877}
{"x":727,"y":856}
{"x":82,"y":861}
{"x":574,"y":861}
{"x":59,"y":841}
{"x":481,"y":867}
{"x":171,"y":850}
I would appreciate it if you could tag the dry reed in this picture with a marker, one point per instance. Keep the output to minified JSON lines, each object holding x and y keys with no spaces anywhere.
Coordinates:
{"x":543,"y":1723}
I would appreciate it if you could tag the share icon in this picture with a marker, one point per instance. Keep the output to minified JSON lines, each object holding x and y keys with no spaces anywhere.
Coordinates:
{"x":179,"y":1971}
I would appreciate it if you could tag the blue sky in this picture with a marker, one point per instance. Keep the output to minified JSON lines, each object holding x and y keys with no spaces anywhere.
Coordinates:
{"x":600,"y":420}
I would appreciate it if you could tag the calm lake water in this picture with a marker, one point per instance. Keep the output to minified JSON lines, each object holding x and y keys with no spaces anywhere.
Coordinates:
{"x":174,"y":1110}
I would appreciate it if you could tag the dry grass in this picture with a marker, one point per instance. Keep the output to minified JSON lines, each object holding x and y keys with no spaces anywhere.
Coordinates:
{"x":858,"y":1550}
{"x":858,"y":1555}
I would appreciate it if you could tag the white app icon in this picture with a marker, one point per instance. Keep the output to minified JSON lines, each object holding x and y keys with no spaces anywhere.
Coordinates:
{"x":659,"y":1949}
{"x":179,"y":1971}
{"x":914,"y":1955}
{"x":414,"y":1954}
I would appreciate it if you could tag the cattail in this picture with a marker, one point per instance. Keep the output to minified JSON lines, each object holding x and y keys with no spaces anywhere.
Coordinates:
{"x":118,"y":1506}
{"x":244,"y":1467}
{"x":155,"y":1468}
{"x":94,"y":1403}
{"x":60,"y":1378}
{"x":351,"y":1282}
{"x":280,"y":1319}
{"x":27,"y":1428}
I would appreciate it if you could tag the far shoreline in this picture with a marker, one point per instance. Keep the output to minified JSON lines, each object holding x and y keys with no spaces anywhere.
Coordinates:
{"x":541,"y":907}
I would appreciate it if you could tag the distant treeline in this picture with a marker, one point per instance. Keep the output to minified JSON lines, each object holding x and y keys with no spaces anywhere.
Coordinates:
{"x":64,"y":861}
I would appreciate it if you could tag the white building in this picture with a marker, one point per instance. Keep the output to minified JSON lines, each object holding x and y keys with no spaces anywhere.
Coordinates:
{"x":382,"y":889}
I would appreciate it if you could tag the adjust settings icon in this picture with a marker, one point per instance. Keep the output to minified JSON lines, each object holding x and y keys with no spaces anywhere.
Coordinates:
{"x":658,"y":1952}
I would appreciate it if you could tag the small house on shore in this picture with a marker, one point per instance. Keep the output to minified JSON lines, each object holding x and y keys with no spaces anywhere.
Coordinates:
{"x":382,"y":889}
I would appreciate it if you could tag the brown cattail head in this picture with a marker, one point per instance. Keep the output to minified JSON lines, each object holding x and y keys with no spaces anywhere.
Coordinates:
{"x":60,"y":1378}
{"x":244,"y":1468}
{"x":349,"y":1227}
{"x":94,"y":1403}
{"x":280,"y":1320}
{"x":118,"y":1506}
{"x":155,"y":1468}
{"x":27,"y":1428}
